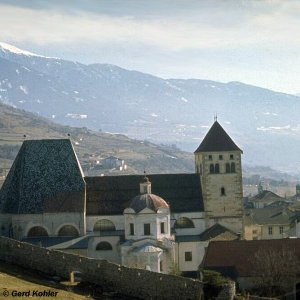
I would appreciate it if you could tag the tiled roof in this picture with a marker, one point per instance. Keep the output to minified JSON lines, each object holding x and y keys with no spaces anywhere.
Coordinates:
{"x":45,"y":177}
{"x":218,"y":232}
{"x":217,"y":139}
{"x":238,"y":255}
{"x":110,"y":195}
{"x":269,"y":215}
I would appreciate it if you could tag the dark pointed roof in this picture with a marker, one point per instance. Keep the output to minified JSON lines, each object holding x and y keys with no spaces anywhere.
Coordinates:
{"x":217,"y":140}
{"x":45,"y":177}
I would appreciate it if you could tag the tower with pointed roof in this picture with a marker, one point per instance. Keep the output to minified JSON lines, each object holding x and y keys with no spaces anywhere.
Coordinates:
{"x":218,"y":161}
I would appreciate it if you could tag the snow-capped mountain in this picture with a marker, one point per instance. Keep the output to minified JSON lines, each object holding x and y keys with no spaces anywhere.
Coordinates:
{"x":173,"y":111}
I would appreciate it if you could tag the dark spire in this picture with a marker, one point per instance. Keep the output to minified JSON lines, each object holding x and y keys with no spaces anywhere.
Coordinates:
{"x":217,"y":139}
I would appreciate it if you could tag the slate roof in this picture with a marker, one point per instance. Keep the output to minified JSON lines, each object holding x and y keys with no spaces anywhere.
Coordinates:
{"x":187,"y":238}
{"x":218,"y":232}
{"x":217,"y":140}
{"x":45,"y":177}
{"x":110,"y":195}
{"x":269,"y":215}
{"x":59,"y":242}
{"x":236,"y":257}
{"x":266,"y":196}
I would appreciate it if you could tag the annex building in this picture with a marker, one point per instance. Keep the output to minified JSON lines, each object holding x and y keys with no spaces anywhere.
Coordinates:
{"x":157,"y":222}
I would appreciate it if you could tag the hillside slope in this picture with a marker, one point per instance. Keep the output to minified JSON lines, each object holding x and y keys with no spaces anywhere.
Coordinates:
{"x":90,"y":146}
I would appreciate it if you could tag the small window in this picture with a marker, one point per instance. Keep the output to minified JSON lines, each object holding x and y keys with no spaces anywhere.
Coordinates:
{"x":217,"y":168}
{"x":131,"y":229}
{"x":270,"y":230}
{"x":231,"y":156}
{"x":281,"y":229}
{"x":254,"y":231}
{"x":147,"y":229}
{"x":188,"y":256}
{"x":68,"y":230}
{"x":104,"y":225}
{"x":220,"y":157}
{"x":227,"y":167}
{"x":211,"y":168}
{"x":210,"y":157}
{"x":223,"y":191}
{"x":103,"y":246}
{"x":232,"y":167}
{"x":162,"y":227}
{"x":161,"y":266}
{"x":184,"y":222}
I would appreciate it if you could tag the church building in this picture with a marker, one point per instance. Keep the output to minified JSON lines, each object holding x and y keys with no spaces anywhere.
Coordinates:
{"x":158,"y":222}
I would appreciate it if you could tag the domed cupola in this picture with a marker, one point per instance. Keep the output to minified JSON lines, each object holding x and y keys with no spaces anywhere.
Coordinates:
{"x":150,"y":201}
{"x":146,"y":199}
{"x":148,"y":215}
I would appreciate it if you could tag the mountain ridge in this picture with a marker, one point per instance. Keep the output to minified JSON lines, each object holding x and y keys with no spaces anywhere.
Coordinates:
{"x":146,"y":107}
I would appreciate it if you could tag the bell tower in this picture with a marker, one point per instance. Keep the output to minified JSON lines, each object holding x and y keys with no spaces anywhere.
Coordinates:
{"x":218,"y":161}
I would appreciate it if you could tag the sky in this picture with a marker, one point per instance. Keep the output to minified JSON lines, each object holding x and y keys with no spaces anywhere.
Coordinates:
{"x":256,"y":42}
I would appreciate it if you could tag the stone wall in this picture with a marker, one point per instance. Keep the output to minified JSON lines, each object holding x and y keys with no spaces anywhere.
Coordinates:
{"x":227,"y":292}
{"x":128,"y":281}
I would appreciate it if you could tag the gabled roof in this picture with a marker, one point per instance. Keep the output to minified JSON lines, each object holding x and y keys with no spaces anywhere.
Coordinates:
{"x":45,"y":177}
{"x":239,"y":255}
{"x":266,"y":195}
{"x":217,"y":140}
{"x":110,"y":195}
{"x":269,"y":215}
{"x":218,"y":232}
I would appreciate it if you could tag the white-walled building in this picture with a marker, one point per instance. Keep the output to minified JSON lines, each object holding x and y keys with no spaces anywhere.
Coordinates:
{"x":159,"y":222}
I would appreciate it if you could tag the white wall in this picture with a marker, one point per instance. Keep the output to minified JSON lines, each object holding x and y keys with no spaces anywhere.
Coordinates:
{"x":197,"y":249}
{"x":52,"y":222}
{"x":197,"y":218}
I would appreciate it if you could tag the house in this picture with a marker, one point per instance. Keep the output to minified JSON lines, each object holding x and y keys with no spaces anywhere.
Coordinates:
{"x":113,"y":162}
{"x":242,"y":260}
{"x":154,"y":222}
{"x":271,"y":222}
{"x":264,"y":198}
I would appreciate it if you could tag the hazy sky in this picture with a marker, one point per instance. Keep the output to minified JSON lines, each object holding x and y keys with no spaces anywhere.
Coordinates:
{"x":256,"y":42}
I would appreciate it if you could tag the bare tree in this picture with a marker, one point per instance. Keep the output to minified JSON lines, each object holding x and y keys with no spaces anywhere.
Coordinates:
{"x":275,"y":270}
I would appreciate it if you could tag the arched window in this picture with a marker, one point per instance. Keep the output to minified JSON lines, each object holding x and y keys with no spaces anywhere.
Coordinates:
{"x":217,"y":168}
{"x":68,"y":230}
{"x":227,"y":167}
{"x":104,"y":225}
{"x":103,"y":246}
{"x":223,"y":191}
{"x":184,"y":223}
{"x":211,"y":168}
{"x":232,"y":167}
{"x":37,"y":231}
